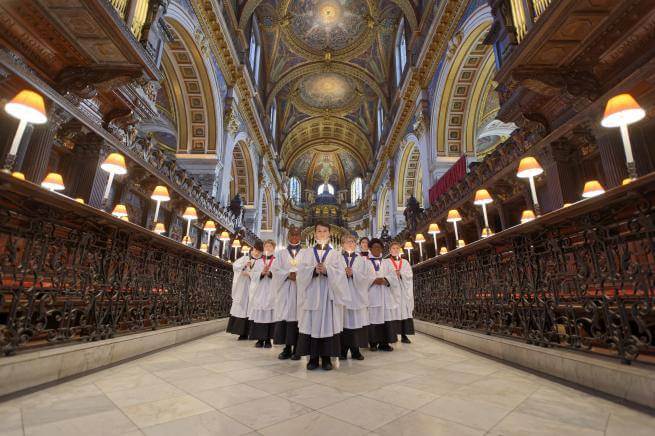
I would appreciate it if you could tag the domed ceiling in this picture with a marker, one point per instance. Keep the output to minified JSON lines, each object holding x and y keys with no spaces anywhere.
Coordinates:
{"x":327,"y":63}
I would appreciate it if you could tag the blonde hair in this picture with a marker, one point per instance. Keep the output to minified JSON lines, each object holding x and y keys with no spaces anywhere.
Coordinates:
{"x":346,"y":238}
{"x":270,"y":242}
{"x":397,"y":244}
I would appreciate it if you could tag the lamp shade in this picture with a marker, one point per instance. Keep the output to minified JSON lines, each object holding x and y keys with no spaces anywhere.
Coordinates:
{"x":203,"y":247}
{"x":482,"y":196}
{"x":27,"y":106}
{"x":160,"y":228}
{"x":486,"y":232}
{"x":80,"y":200}
{"x":527,"y":216}
{"x":453,"y":216}
{"x":186,"y":240}
{"x":529,"y":167}
{"x":119,"y":211}
{"x":236,"y":243}
{"x":408,"y":245}
{"x":419,"y":238}
{"x":210,"y":226}
{"x":566,"y":204}
{"x":18,"y":175}
{"x":622,"y":110}
{"x":225,"y":236}
{"x":53,"y":182}
{"x":160,"y":194}
{"x":190,"y":214}
{"x":626,"y":181}
{"x":434,"y":229}
{"x":592,"y":188}
{"x":245,"y":249}
{"x":443,"y":250}
{"x":460,"y":243}
{"x":125,"y":218}
{"x":115,"y":164}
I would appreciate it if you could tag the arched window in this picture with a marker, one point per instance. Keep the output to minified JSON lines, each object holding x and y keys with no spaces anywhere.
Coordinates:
{"x":380,"y":118}
{"x":325,"y":188}
{"x":294,"y":189}
{"x":273,"y":118}
{"x":254,"y":50}
{"x":356,"y":190}
{"x":401,"y":51}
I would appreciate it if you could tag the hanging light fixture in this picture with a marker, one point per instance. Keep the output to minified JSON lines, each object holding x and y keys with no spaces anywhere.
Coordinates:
{"x":529,"y":168}
{"x":527,"y":216}
{"x":160,"y":195}
{"x":28,"y":107}
{"x":621,"y":111}
{"x":592,"y":188}
{"x":114,"y":165}
{"x":53,"y":182}
{"x":119,"y":211}
{"x":434,"y":230}
{"x":420,"y":239}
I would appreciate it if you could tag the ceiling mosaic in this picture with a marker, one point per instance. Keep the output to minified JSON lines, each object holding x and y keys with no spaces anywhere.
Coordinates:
{"x":327,"y":60}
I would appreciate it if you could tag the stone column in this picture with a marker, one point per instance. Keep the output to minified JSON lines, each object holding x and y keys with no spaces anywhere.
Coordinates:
{"x":100,"y":178}
{"x":37,"y":154}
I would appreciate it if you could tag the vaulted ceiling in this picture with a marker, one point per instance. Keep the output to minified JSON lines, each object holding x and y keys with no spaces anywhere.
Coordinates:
{"x":327,"y":63}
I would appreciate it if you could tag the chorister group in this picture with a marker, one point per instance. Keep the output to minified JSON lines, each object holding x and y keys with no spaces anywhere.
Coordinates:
{"x":322,"y":302}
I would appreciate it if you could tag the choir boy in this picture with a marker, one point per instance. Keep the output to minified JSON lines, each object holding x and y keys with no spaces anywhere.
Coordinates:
{"x":262,"y":298}
{"x":285,"y":269}
{"x":406,"y":283}
{"x":355,"y":319}
{"x":321,"y":298}
{"x":383,"y":299}
{"x":238,"y":323}
{"x":363,"y":246}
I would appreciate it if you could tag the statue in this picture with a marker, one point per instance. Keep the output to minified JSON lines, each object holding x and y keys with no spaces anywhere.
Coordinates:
{"x":412,"y":212}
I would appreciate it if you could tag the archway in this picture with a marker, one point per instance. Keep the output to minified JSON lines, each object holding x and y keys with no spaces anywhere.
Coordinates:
{"x":243,"y":175}
{"x":267,"y":211}
{"x":409,"y":177}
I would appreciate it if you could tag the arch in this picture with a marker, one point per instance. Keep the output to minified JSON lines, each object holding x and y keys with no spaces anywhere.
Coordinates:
{"x":384,"y":209}
{"x":469,"y":69}
{"x":243,"y":174}
{"x":194,"y":90}
{"x":267,"y":211}
{"x":409,"y":175}
{"x":295,"y":193}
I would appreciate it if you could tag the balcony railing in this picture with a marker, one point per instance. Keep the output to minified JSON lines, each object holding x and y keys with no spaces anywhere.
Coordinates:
{"x":70,"y":272}
{"x":579,"y":278}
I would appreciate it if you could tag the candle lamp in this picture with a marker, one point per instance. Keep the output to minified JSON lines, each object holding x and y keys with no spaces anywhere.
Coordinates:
{"x":454,"y":217}
{"x":53,"y":182}
{"x":527,"y":216}
{"x":529,"y":168}
{"x":420,"y":239}
{"x":119,"y":211}
{"x":592,"y":188}
{"x":621,"y":111}
{"x":483,"y":198}
{"x":160,"y":195}
{"x":114,"y":165}
{"x":28,"y":107}
{"x":434,"y":230}
{"x":409,"y":247}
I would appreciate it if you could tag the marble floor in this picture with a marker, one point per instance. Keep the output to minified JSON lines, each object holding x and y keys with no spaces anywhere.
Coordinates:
{"x":218,"y":386}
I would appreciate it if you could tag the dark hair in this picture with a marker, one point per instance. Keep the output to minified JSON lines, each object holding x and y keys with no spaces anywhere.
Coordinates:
{"x":322,"y":224}
{"x":376,"y":241}
{"x":259,"y":245}
{"x":364,"y":237}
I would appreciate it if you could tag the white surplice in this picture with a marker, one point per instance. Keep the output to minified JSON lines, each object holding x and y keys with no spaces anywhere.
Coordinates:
{"x":406,"y":282}
{"x":262,"y":297}
{"x":356,"y":310}
{"x":383,"y":300}
{"x":241,"y":286}
{"x":286,"y":291}
{"x":321,"y":299}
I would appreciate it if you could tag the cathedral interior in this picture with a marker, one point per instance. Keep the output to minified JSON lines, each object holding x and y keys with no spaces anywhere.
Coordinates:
{"x":506,"y":144}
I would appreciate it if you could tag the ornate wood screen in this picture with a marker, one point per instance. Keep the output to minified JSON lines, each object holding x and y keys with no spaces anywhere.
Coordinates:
{"x":581,"y":278}
{"x":70,"y":272}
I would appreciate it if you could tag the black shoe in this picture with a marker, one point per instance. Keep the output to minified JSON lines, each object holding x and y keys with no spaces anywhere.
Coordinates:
{"x":405,"y":340}
{"x":312,"y":364}
{"x":242,"y":338}
{"x":385,"y":347}
{"x":267,"y":343}
{"x":327,"y":363}
{"x":259,"y":344}
{"x":285,"y":354}
{"x":356,"y":354}
{"x":343,"y":355}
{"x":374,"y":347}
{"x":295,"y":357}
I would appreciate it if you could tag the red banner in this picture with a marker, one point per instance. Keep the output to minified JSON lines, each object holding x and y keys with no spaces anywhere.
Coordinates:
{"x":450,"y":178}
